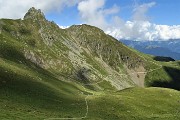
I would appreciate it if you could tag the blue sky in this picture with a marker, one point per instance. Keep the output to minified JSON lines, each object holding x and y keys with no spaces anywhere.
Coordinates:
{"x":65,"y":17}
{"x":123,"y":19}
{"x":164,"y":12}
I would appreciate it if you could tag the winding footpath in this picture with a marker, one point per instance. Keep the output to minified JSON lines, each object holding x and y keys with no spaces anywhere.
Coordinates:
{"x":87,"y":107}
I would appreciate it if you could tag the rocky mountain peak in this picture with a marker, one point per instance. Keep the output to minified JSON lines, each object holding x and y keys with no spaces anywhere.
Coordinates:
{"x":34,"y":14}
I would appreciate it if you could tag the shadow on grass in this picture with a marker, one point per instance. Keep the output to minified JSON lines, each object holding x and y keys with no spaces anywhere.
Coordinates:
{"x":163,"y":59}
{"x":178,"y":63}
{"x":49,"y":93}
{"x":174,"y":83}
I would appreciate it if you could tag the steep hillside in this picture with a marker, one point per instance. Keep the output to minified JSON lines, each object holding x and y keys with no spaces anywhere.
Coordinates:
{"x":76,"y":73}
{"x":84,"y":53}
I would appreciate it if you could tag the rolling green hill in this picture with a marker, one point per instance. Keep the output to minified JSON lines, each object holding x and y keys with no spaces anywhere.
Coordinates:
{"x":80,"y":73}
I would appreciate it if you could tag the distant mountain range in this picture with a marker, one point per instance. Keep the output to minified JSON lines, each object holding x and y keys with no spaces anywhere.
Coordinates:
{"x":168,"y":48}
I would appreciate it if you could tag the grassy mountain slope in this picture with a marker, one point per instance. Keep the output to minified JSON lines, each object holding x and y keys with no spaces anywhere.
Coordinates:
{"x":84,"y":53}
{"x":136,"y":104}
{"x":47,"y":72}
{"x":160,"y":73}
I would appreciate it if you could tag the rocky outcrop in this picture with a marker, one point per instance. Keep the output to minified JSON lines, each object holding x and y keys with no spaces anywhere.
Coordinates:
{"x":30,"y":55}
{"x":81,"y":53}
{"x":101,"y":45}
{"x":34,"y":14}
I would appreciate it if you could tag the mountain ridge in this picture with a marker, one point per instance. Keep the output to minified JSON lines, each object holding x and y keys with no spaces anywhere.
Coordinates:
{"x":47,"y":72}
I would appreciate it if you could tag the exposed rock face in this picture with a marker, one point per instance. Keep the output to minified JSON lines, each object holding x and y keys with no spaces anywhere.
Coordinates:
{"x":34,"y":14}
{"x":83,"y":53}
{"x":34,"y":58}
{"x":101,"y":45}
{"x":1,"y":24}
{"x":38,"y":18}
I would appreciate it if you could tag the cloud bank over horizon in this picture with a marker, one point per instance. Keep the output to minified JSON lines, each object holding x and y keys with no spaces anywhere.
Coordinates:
{"x":96,"y":13}
{"x":139,"y":28}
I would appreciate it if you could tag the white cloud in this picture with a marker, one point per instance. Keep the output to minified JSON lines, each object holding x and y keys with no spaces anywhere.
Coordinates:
{"x":113,"y":10}
{"x":166,"y":32}
{"x":140,"y":28}
{"x":144,"y":30}
{"x":63,"y":27}
{"x":93,"y":12}
{"x":141,"y":10}
{"x":17,"y":8}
